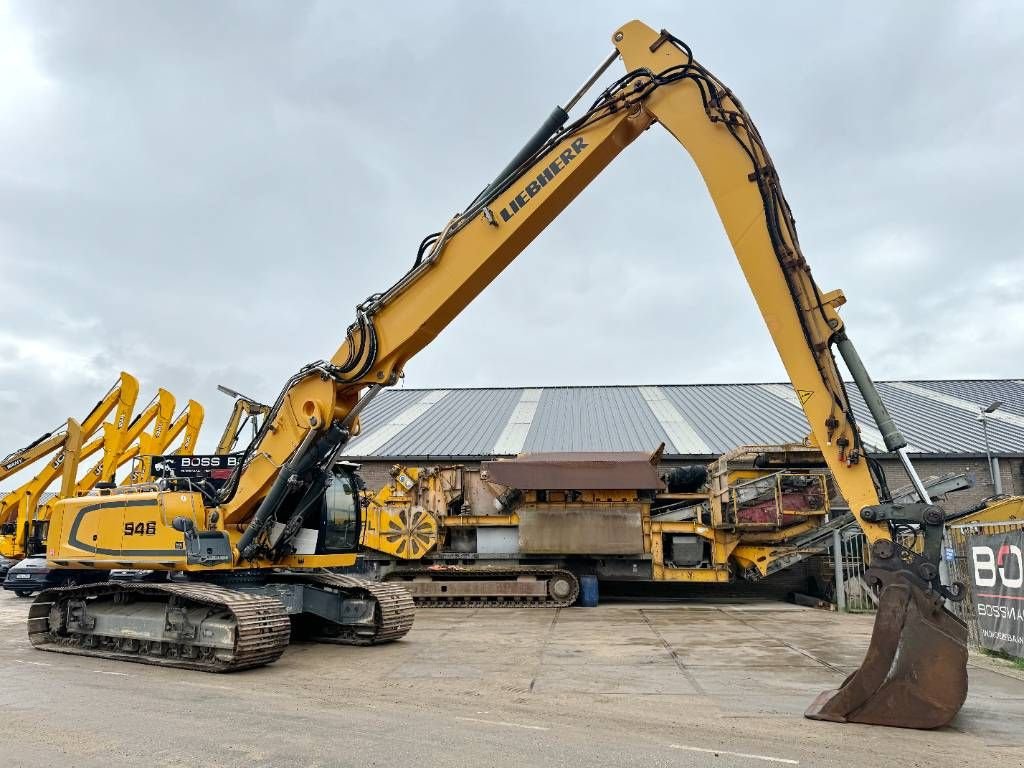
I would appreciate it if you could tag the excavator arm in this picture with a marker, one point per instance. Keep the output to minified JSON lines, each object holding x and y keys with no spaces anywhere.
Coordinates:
{"x":51,"y":441}
{"x":159,"y":413}
{"x":165,"y":431}
{"x":246,"y":411}
{"x":37,"y":449}
{"x":188,"y":425}
{"x":119,"y":447}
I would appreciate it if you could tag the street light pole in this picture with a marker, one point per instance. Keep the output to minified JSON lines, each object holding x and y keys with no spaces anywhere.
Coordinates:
{"x":993,"y":473}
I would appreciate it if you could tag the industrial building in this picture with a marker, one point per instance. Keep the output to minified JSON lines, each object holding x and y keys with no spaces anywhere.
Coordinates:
{"x":945,"y":423}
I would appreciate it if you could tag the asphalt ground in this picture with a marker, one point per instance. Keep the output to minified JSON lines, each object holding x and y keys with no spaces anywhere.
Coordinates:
{"x":628,"y":683}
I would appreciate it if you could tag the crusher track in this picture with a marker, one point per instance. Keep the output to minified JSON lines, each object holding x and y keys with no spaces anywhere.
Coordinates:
{"x":262,"y":626}
{"x":462,"y":573}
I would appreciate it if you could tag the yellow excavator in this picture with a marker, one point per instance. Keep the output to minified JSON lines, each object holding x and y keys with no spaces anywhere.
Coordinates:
{"x":188,"y":423}
{"x":18,"y":506}
{"x":252,"y":551}
{"x":246,"y":412}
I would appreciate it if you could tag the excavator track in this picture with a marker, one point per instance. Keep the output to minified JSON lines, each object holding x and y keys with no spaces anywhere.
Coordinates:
{"x":395,"y":610}
{"x":261,"y":625}
{"x":491,"y":587}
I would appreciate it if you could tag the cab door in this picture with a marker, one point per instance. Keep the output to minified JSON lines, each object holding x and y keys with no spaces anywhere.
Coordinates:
{"x":339,"y":519}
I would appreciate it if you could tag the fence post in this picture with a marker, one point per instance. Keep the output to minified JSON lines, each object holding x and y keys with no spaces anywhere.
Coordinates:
{"x":837,"y":559}
{"x":945,"y":577}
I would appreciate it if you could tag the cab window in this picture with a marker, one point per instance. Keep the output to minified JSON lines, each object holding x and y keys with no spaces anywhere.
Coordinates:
{"x":340,"y":518}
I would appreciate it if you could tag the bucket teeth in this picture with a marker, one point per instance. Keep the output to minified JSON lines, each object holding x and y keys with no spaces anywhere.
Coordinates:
{"x":915,"y":672}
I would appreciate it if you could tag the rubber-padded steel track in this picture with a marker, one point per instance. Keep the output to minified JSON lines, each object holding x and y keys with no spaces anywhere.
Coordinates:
{"x":262,"y":627}
{"x":394,"y":613}
{"x":487,"y":573}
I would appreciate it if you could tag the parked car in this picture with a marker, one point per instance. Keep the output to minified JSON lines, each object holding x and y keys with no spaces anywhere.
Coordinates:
{"x":34,"y":574}
{"x":5,"y":565}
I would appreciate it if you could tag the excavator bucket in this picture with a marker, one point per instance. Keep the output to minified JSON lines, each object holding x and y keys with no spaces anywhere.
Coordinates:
{"x":915,"y":672}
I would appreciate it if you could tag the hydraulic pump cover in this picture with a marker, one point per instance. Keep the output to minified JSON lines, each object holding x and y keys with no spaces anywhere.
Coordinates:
{"x":581,"y":530}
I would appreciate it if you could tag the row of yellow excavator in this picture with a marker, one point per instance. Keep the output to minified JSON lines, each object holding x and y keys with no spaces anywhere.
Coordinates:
{"x":123,"y":440}
{"x":109,"y":431}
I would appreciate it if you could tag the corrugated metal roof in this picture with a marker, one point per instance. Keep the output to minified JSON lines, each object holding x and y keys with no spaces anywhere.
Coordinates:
{"x":937,"y":417}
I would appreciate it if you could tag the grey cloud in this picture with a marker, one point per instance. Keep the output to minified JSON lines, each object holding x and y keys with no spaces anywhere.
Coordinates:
{"x":200,"y":193}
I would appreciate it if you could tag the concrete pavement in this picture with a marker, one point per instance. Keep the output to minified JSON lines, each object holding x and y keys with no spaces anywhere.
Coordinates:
{"x":659,"y":683}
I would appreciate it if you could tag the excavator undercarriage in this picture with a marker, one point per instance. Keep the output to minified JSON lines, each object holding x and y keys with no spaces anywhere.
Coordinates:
{"x":210,"y":627}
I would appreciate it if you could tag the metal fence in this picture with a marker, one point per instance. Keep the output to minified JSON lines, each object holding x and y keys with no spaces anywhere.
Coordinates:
{"x":958,"y":556}
{"x":848,"y":589}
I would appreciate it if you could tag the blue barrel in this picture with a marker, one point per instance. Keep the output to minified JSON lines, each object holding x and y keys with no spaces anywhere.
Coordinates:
{"x":588,"y":592}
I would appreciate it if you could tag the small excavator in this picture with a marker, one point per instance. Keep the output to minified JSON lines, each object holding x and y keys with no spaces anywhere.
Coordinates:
{"x":252,"y":552}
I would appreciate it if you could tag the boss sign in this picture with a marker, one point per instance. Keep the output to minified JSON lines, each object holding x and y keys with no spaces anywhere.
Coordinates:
{"x":997,"y":572}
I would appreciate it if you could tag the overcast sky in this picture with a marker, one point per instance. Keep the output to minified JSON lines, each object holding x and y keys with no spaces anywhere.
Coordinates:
{"x":199,"y":193}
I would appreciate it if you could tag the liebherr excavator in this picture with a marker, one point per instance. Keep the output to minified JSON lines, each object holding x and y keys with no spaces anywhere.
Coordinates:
{"x":252,"y":549}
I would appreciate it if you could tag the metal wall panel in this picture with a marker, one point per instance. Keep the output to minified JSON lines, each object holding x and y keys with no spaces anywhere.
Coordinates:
{"x":712,"y":418}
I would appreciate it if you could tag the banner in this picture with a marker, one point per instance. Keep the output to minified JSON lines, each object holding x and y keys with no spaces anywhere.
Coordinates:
{"x":205,"y":465}
{"x":997,"y":575}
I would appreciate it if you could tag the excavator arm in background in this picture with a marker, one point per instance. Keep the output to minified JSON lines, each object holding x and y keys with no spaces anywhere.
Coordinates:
{"x":119,"y":447}
{"x":37,"y":449}
{"x":159,"y":413}
{"x":246,"y":412}
{"x":122,"y":445}
{"x":18,"y":507}
{"x":189,"y":422}
{"x":51,"y":441}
